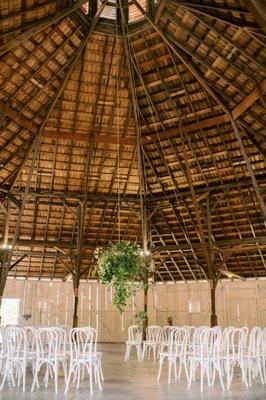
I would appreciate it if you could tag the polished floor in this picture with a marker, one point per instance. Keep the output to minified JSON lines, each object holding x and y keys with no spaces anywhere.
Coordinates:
{"x":134,"y":381}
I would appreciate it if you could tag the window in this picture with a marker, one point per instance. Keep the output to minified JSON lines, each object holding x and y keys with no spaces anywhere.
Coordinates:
{"x":10,"y":311}
{"x":194,"y":306}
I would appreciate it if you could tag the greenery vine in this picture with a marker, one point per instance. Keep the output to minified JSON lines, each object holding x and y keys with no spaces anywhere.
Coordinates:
{"x":122,"y":265}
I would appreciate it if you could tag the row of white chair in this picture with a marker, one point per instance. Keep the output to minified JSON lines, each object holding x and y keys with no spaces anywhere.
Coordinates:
{"x":211,"y":350}
{"x":75,"y":350}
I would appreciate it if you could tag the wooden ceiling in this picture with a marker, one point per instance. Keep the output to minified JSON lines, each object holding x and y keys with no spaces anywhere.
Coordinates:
{"x":104,"y":113}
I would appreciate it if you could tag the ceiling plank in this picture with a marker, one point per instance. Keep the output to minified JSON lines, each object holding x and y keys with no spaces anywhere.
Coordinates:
{"x":44,"y":23}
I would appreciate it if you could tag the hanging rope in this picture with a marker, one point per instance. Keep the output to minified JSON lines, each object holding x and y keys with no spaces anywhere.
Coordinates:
{"x":152,"y":112}
{"x":117,"y":127}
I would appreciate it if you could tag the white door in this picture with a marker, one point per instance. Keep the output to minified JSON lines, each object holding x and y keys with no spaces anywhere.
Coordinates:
{"x":242,"y":312}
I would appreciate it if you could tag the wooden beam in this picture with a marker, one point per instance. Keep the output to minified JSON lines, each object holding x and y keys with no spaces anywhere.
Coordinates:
{"x":249,"y":167}
{"x":19,"y":118}
{"x":39,"y":26}
{"x":206,"y":123}
{"x":66,"y":135}
{"x":258,"y":10}
{"x":239,"y":244}
{"x":239,"y":110}
{"x":51,"y":133}
{"x":248,"y":101}
{"x":215,"y":7}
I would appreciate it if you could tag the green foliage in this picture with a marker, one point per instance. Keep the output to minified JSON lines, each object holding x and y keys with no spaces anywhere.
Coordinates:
{"x":121,"y":265}
{"x":142,"y":316}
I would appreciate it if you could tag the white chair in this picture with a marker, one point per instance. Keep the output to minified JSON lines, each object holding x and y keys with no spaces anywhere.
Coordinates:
{"x":3,"y":349}
{"x":233,"y":350}
{"x":263,"y":353}
{"x":165,"y":338}
{"x":18,"y":357}
{"x":31,"y":334}
{"x":175,"y":351}
{"x":49,"y":345}
{"x":206,"y":356}
{"x":134,"y":340}
{"x":255,"y":348}
{"x":84,"y":355}
{"x":153,"y":337}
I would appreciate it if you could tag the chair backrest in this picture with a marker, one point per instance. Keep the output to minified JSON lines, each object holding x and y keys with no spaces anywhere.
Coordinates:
{"x":82,"y":343}
{"x":166,"y":332}
{"x":31,"y":333}
{"x":49,"y":342}
{"x":234,"y":340}
{"x":263,"y":342}
{"x":153,"y":333}
{"x":3,"y":341}
{"x":178,"y":340}
{"x":62,"y":338}
{"x":134,"y":334}
{"x":197,"y":339}
{"x":255,"y":343}
{"x":17,"y":344}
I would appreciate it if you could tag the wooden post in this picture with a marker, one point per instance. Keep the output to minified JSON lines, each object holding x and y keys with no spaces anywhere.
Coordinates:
{"x":214,"y":319}
{"x":142,"y":185}
{"x":76,"y":301}
{"x":146,"y":271}
{"x":213,"y":279}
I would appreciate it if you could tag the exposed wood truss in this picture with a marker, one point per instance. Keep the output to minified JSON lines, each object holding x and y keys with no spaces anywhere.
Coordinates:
{"x":133,"y":120}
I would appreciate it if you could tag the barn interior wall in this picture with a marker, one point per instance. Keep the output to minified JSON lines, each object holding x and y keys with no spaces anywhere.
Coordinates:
{"x":51,"y":302}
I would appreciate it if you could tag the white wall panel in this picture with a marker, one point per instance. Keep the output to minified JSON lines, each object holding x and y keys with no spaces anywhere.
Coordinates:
{"x":51,"y":302}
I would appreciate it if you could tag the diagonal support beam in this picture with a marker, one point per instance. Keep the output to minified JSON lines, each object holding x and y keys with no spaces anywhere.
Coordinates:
{"x":245,"y":104}
{"x":19,"y":118}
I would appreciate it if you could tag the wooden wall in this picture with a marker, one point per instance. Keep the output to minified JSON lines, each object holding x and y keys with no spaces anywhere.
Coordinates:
{"x":50,"y":302}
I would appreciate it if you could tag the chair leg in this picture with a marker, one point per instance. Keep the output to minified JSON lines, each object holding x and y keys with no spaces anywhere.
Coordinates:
{"x":68,"y":377}
{"x":101,"y":371}
{"x":5,"y":375}
{"x":139,"y":352}
{"x":24,"y":376}
{"x":201,"y":377}
{"x":170,"y":370}
{"x":160,"y":368}
{"x":35,"y":379}
{"x":90,"y":378}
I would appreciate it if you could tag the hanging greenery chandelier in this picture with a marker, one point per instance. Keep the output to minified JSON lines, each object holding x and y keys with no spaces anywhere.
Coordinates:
{"x":122,"y":265}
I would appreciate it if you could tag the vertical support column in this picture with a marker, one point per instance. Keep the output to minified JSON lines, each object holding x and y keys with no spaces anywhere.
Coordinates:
{"x":143,"y":206}
{"x":4,"y":252}
{"x":76,"y":299}
{"x":214,"y":319}
{"x":146,"y":275}
{"x":213,"y":278}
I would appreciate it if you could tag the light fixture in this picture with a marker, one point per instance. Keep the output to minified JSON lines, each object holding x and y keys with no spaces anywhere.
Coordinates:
{"x":6,"y":246}
{"x":145,"y":253}
{"x":230,"y":274}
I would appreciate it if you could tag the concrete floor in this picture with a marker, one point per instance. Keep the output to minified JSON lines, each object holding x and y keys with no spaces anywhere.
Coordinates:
{"x":134,"y":381}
